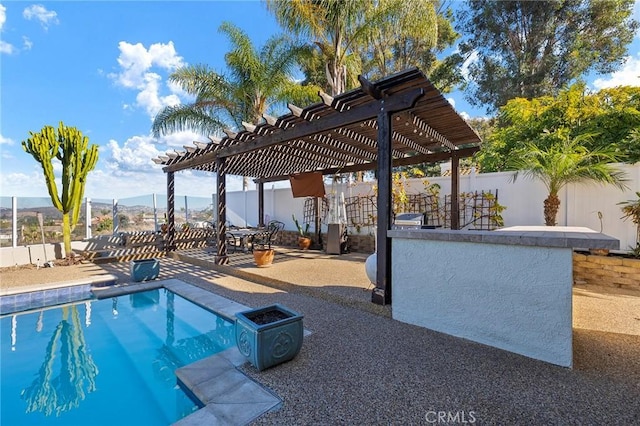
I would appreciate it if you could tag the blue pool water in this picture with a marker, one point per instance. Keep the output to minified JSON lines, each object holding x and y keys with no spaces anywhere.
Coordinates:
{"x":105,"y":362}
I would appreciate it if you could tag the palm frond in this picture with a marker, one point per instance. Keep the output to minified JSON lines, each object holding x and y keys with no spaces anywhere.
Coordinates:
{"x":186,"y":117}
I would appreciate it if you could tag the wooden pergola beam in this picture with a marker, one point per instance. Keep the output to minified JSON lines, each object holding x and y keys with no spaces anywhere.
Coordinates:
{"x":342,"y":119}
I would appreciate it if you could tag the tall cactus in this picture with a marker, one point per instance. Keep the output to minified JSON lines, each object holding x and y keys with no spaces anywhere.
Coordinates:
{"x":69,"y":146}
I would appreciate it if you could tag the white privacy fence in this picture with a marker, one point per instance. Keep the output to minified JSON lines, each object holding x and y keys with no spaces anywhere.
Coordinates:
{"x":592,"y":206}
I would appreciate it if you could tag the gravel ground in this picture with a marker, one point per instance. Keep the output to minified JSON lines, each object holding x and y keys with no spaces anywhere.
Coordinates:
{"x":27,"y":277}
{"x":361,"y":367}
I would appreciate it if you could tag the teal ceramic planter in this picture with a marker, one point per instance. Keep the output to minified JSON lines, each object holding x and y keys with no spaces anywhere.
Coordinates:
{"x":269,"y":335}
{"x":144,"y":269}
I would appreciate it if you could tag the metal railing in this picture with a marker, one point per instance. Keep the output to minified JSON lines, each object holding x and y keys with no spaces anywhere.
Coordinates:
{"x":19,"y":224}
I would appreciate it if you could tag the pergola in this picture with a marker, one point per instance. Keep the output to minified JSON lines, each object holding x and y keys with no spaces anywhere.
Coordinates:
{"x":399,"y":120}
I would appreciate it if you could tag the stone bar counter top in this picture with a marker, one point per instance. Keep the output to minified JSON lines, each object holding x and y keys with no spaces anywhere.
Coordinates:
{"x":537,"y":236}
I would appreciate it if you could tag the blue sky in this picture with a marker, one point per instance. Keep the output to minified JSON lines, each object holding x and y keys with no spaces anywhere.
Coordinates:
{"x":103,"y":66}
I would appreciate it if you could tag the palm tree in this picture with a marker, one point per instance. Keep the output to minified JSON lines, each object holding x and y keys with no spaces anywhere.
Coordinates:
{"x":410,"y":35}
{"x":256,"y":81}
{"x":365,"y":37}
{"x":562,"y":161}
{"x":335,"y":27}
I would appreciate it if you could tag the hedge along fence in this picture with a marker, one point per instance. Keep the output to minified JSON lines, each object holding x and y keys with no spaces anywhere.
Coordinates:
{"x":606,"y":271}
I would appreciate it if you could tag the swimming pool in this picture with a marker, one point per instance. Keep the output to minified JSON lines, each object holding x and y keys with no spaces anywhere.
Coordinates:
{"x":108,"y":361}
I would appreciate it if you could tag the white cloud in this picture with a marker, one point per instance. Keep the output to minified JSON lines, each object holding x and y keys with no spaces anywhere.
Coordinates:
{"x":41,"y":14}
{"x":629,"y":75}
{"x":6,"y":141}
{"x":136,"y":63}
{"x":180,"y":139}
{"x":452,"y":102}
{"x":105,"y":185}
{"x":24,"y":185}
{"x":127,"y":169}
{"x":134,"y":155}
{"x":3,"y":16}
{"x":28,"y":44}
{"x":4,"y":144}
{"x":176,"y":89}
{"x":150,"y":98}
{"x":137,"y":152}
{"x":6,"y":48}
{"x":464,"y":70}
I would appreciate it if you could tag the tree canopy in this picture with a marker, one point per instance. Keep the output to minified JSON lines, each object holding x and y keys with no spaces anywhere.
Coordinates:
{"x":413,"y":34}
{"x":528,"y":49}
{"x":333,"y":27}
{"x":611,"y":115}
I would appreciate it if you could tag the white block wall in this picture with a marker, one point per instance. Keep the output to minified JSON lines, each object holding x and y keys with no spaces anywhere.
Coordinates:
{"x":523,"y":199}
{"x":516,"y":298}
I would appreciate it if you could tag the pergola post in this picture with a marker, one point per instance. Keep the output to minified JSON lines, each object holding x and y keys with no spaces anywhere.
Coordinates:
{"x":221,"y":178}
{"x":382,"y":292}
{"x":316,"y":223}
{"x":455,"y":191}
{"x":261,"y":223}
{"x":171,"y":212}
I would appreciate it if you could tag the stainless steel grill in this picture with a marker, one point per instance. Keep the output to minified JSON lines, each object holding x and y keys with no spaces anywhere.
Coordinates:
{"x":408,"y":221}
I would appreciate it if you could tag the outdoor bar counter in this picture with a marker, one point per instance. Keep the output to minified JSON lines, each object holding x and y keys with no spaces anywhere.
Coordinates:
{"x":510,"y":288}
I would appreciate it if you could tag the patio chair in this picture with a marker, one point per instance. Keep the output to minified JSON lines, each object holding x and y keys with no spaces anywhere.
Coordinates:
{"x":263,"y":240}
{"x":232,"y":242}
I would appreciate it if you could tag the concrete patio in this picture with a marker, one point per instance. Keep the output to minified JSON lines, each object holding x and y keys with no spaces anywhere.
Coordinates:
{"x":361,"y":367}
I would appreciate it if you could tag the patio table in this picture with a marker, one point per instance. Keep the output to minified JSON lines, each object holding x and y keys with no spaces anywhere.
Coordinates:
{"x":244,"y":235}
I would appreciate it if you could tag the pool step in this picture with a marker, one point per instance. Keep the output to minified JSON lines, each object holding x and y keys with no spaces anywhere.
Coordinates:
{"x":228,"y":395}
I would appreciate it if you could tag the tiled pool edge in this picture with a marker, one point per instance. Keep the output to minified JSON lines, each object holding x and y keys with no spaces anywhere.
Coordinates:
{"x":54,"y":294}
{"x":15,"y":303}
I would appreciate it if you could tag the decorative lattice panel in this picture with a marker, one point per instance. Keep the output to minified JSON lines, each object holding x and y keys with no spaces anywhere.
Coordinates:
{"x":310,"y":212}
{"x":478,"y":210}
{"x":362,"y":210}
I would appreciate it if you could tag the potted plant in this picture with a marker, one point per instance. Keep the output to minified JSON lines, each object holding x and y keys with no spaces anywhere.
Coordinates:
{"x":263,"y":257}
{"x":165,"y":226}
{"x":144,"y":269}
{"x":269,"y":335}
{"x":304,"y":240}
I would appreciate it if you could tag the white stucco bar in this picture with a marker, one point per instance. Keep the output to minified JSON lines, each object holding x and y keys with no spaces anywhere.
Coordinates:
{"x":510,"y":288}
